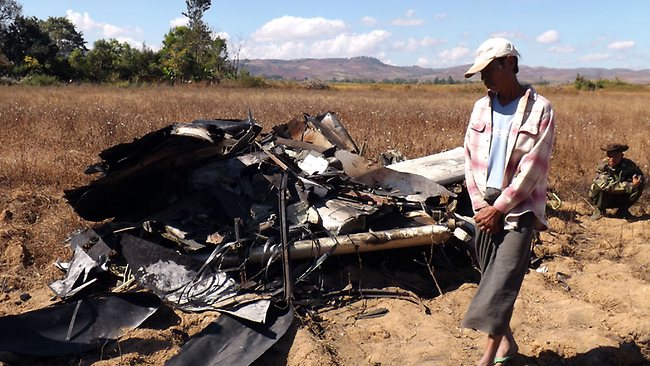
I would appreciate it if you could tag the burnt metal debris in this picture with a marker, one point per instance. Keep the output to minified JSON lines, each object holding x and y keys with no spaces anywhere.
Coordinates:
{"x":77,"y":326}
{"x":215,"y":215}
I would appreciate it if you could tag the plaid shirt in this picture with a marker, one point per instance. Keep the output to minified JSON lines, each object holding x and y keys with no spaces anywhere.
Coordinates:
{"x":528,"y":154}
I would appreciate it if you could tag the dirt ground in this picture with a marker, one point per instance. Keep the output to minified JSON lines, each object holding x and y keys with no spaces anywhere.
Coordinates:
{"x":587,"y":304}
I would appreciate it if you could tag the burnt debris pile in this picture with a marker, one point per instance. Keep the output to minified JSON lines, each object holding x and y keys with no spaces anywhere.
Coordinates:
{"x":215,"y":215}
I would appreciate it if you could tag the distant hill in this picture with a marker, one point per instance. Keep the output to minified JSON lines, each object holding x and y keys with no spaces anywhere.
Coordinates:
{"x":371,"y":69}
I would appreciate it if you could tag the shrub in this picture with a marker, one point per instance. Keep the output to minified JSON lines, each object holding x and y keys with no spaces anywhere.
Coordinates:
{"x":39,"y":80}
{"x":246,"y":80}
{"x":6,"y":80}
{"x":316,"y":85}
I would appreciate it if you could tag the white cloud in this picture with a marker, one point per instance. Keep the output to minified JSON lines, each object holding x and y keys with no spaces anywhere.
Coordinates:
{"x":285,"y":50}
{"x":446,"y":58}
{"x":409,"y":21}
{"x":132,"y":42}
{"x":348,"y":45}
{"x":550,"y":36}
{"x":413,"y":44}
{"x":430,"y":41}
{"x":562,"y":49}
{"x":289,"y":28}
{"x":221,"y":34}
{"x":291,"y":37}
{"x":154,"y":48}
{"x":384,"y":58}
{"x":595,"y":57}
{"x":410,"y":44}
{"x":621,"y":45}
{"x":369,"y":21}
{"x":104,"y":30}
{"x":113,"y":31}
{"x":180,"y":21}
{"x":454,"y":54}
{"x":509,"y":35}
{"x":82,"y":21}
{"x":343,"y":45}
{"x":440,"y":16}
{"x":422,"y":62}
{"x":401,"y":45}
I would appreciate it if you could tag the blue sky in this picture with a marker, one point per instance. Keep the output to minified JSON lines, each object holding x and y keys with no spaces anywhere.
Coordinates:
{"x":559,"y":34}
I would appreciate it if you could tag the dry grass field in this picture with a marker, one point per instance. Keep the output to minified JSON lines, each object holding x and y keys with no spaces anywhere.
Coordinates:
{"x":50,"y":134}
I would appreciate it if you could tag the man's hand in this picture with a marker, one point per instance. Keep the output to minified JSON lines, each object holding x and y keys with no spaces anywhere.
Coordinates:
{"x":636,"y":180}
{"x":488,"y":219}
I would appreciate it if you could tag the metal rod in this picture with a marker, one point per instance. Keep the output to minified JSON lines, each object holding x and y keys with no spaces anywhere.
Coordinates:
{"x":74,"y":317}
{"x":359,"y":242}
{"x":286,"y":265}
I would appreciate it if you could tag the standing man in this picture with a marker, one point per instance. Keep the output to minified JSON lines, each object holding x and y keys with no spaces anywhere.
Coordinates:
{"x":508,"y":148}
{"x":618,"y":183}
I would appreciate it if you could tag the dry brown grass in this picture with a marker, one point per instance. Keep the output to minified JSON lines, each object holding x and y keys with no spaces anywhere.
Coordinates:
{"x":50,"y":134}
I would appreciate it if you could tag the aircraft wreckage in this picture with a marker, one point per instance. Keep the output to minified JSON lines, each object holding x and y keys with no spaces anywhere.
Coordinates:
{"x":215,"y":215}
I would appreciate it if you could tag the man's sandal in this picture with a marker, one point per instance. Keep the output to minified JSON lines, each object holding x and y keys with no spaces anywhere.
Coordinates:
{"x":503,"y":360}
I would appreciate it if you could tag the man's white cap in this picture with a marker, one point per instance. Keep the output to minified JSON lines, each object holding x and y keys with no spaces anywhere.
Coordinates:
{"x":488,"y":51}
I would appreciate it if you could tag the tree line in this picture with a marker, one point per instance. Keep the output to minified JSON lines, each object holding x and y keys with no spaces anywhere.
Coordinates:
{"x":54,"y":48}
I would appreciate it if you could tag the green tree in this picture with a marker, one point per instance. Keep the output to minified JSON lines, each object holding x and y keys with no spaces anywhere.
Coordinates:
{"x":135,"y":65}
{"x":198,"y":37}
{"x":67,"y":39}
{"x":189,"y":55}
{"x":9,"y":11}
{"x":215,"y":60}
{"x":112,"y":61}
{"x":79,"y":65}
{"x":102,"y":61}
{"x":27,"y":45}
{"x":192,"y":53}
{"x":176,"y":59}
{"x":147,"y":66}
{"x":64,"y":35}
{"x":195,"y":10}
{"x":581,"y":83}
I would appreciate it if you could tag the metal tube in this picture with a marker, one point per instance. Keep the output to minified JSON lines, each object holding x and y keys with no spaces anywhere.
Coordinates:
{"x":359,"y":242}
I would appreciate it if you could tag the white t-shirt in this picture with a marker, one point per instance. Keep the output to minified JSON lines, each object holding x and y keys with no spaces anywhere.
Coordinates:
{"x":501,"y":121}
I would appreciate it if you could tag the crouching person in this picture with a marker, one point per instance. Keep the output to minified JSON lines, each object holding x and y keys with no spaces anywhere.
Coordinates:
{"x":618,"y":183}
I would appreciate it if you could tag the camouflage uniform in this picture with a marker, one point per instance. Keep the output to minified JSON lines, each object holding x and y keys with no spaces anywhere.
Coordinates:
{"x":612,"y":187}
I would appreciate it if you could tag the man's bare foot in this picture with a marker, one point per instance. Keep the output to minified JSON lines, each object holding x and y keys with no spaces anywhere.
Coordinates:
{"x":491,"y":347}
{"x":508,"y":346}
{"x":485,"y":361}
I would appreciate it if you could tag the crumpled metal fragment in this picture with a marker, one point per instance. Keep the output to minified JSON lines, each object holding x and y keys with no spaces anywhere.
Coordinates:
{"x":72,"y":328}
